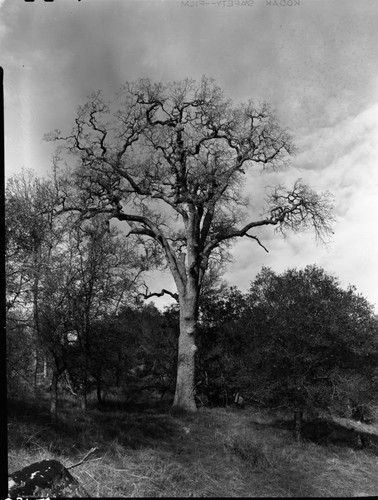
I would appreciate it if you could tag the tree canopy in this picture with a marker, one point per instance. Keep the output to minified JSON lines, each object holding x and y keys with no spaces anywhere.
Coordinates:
{"x":312,"y":345}
{"x":168,"y":159}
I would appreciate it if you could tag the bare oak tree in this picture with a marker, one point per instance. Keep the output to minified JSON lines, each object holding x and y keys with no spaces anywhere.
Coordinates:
{"x":169,"y":161}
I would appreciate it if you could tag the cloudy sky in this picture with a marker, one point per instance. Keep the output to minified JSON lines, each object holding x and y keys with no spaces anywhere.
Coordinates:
{"x":316,"y":61}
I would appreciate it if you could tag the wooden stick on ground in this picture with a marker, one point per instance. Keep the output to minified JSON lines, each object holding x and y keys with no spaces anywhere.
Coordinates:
{"x":92,"y":450}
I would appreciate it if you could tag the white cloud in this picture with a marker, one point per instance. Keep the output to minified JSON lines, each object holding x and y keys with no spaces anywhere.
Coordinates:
{"x":342,"y":159}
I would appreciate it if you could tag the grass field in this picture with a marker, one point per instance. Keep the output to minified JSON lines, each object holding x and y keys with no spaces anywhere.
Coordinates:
{"x":151,"y":452}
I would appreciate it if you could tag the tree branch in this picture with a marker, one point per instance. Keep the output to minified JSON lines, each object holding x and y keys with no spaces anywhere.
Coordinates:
{"x":258,"y":241}
{"x":148,"y":295}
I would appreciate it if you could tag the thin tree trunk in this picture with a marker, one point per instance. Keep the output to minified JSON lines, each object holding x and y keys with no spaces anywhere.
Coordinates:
{"x":84,"y":399}
{"x":185,"y":388}
{"x":98,"y":389}
{"x":35,"y":361}
{"x":54,"y":398}
{"x":35,"y":291}
{"x":118,"y":370}
{"x":298,"y":424}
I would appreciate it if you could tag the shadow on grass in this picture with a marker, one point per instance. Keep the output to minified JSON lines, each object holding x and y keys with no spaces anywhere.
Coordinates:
{"x":131,"y":426}
{"x":28,"y":410}
{"x":326,"y":433}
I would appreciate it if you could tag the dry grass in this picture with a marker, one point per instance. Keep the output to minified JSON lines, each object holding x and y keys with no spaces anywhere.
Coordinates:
{"x":215,"y":453}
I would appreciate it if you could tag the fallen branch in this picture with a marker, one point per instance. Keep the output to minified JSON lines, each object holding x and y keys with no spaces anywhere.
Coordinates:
{"x":356,"y":425}
{"x":92,"y":450}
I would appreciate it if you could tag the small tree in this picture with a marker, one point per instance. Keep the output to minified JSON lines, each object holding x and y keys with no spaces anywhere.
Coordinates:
{"x":30,"y":235}
{"x":169,"y":162}
{"x":20,"y":357}
{"x":314,"y":345}
{"x":95,"y":274}
{"x":63,"y":275}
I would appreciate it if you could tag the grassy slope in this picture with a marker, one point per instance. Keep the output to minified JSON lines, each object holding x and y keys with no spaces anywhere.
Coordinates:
{"x":217,"y":452}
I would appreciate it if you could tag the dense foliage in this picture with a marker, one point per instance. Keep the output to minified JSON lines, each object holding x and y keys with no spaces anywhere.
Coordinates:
{"x":317,"y":344}
{"x":296,"y":340}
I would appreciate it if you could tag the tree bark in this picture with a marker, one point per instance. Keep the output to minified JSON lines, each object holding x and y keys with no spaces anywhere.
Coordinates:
{"x":185,"y":388}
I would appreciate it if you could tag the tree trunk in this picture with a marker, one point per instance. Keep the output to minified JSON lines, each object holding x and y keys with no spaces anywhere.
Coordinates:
{"x":35,"y":370}
{"x":298,"y":424}
{"x":84,"y":399}
{"x":54,"y":398}
{"x":185,"y":388}
{"x":118,"y":370}
{"x":98,"y":389}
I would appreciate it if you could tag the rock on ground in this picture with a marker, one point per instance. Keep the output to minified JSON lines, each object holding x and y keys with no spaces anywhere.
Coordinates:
{"x":48,"y":478}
